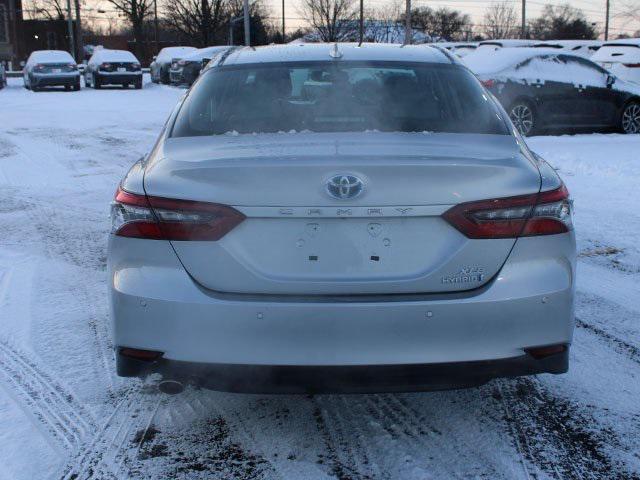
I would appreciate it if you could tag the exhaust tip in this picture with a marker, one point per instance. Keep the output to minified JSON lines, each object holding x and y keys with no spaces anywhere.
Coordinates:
{"x":171,"y":387}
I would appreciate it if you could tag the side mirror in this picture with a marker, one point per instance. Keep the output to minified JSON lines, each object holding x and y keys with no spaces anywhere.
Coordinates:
{"x":610,"y":81}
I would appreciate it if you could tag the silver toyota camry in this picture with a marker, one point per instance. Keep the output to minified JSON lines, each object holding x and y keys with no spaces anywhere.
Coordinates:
{"x":340,"y":218}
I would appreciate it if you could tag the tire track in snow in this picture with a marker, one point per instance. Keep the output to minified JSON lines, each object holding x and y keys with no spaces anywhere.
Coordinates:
{"x":346,"y":458}
{"x":103,"y":457}
{"x":55,"y":408}
{"x":564,"y":443}
{"x":622,"y":347}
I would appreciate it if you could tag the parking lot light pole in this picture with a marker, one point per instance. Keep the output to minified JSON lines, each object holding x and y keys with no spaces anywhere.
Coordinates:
{"x":523,"y":32}
{"x":407,"y":23}
{"x":606,"y":23}
{"x":72,"y":44}
{"x":247,"y":28}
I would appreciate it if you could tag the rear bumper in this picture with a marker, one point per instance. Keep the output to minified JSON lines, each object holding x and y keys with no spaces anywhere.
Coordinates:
{"x":344,"y":379}
{"x":55,"y":80}
{"x":175,"y":77}
{"x":403,"y":341}
{"x":119,"y":78}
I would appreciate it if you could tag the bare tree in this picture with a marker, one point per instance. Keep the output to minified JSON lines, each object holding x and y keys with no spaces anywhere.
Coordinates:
{"x":203,"y":22}
{"x":135,"y":11}
{"x":500,"y":20}
{"x":47,"y":9}
{"x":562,"y":22}
{"x":331,"y":20}
{"x":442,"y":23}
{"x":384,"y":23}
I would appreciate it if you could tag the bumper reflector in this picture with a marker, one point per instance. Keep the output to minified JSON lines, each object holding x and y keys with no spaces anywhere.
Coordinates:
{"x":542,"y":352}
{"x":146,"y":355}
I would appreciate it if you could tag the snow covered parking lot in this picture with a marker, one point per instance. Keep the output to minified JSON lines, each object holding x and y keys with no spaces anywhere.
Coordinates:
{"x":64,"y":413}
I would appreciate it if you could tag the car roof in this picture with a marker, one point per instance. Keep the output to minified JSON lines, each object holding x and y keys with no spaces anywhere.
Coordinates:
{"x":123,"y":55}
{"x":301,"y":52}
{"x":202,"y":53}
{"x":568,"y":43}
{"x":623,"y":41}
{"x":485,"y":62}
{"x":507,"y":42}
{"x":51,"y":55}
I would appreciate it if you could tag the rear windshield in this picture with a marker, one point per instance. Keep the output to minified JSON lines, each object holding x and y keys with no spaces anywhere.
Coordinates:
{"x":338,"y":97}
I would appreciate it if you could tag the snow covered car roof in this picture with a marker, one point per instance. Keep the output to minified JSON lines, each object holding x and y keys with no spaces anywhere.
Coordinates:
{"x":51,"y":56}
{"x":169,"y":53}
{"x":619,"y":51}
{"x":104,"y":54}
{"x":301,"y":52}
{"x":569,"y":44}
{"x":506,"y":43}
{"x":483,"y":62}
{"x":624,"y":41}
{"x":207,"y":52}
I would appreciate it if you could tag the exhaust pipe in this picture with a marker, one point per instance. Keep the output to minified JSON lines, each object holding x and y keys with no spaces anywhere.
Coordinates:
{"x":170,"y":387}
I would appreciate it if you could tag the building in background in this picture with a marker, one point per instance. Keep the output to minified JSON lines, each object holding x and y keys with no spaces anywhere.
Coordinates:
{"x":11,"y":32}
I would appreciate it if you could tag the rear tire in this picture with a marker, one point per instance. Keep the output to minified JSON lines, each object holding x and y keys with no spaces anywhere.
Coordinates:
{"x":523,"y":116}
{"x":76,"y":87}
{"x":95,"y":81}
{"x":630,"y":120}
{"x":138,"y":84}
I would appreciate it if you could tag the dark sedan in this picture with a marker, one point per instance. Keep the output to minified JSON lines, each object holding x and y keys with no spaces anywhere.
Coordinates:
{"x":113,"y":67}
{"x":185,"y":71}
{"x":161,"y":64}
{"x":543,"y":89}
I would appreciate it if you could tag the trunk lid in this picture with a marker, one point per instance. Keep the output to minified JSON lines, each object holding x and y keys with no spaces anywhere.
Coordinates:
{"x":298,"y":239}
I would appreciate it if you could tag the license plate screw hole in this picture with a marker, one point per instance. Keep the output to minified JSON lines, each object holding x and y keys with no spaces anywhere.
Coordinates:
{"x":375,"y":258}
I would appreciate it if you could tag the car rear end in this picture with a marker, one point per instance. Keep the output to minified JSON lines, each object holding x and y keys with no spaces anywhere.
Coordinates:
{"x":119,"y":72}
{"x":433,"y":251}
{"x":176,"y":71}
{"x":55,"y":74}
{"x":620,"y":58}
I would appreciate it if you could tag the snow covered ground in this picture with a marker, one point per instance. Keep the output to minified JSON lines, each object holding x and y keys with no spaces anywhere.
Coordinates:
{"x":64,"y":414}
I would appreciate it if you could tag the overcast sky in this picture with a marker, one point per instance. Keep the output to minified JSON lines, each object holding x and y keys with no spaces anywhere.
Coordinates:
{"x":593,"y":9}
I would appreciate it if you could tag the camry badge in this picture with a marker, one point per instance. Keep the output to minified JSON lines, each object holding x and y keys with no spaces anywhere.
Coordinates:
{"x":344,"y":187}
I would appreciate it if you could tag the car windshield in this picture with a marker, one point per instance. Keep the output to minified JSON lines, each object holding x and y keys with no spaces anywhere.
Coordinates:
{"x":338,"y":97}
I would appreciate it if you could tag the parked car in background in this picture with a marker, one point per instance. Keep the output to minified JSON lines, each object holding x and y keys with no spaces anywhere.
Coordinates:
{"x":493,"y":45}
{"x":549,"y":89}
{"x":51,"y":68}
{"x":621,"y":57}
{"x":161,"y":64}
{"x":461,"y":49}
{"x":585,"y":48}
{"x":3,"y":76}
{"x":353,"y":253}
{"x":186,"y":70}
{"x":113,"y":67}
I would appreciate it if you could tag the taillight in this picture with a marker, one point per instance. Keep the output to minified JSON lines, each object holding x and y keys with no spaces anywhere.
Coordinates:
{"x":632,"y":65}
{"x":544,"y":213}
{"x":157,"y":218}
{"x":105,"y":66}
{"x":488,"y":83}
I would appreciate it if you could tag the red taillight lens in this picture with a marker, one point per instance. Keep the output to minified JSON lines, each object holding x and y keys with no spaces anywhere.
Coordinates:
{"x":147,"y":355}
{"x":632,"y":65}
{"x":488,"y":83}
{"x":544,"y":213}
{"x":157,"y":218}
